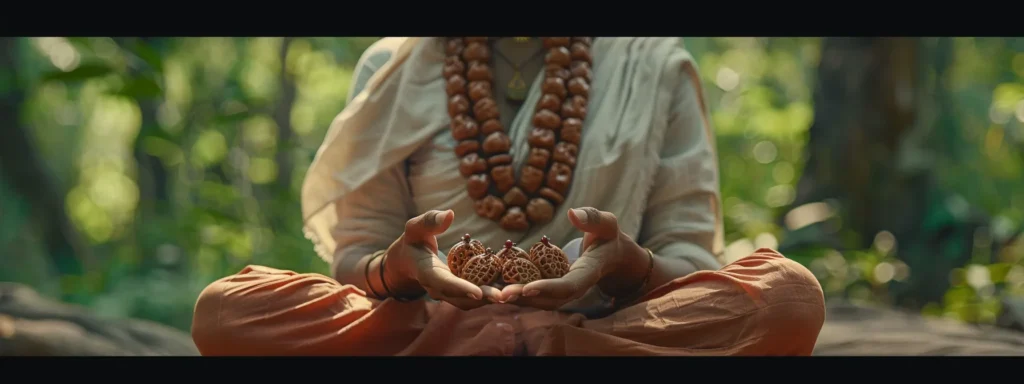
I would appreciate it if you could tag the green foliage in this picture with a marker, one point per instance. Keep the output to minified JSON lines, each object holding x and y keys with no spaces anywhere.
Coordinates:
{"x":179,"y":169}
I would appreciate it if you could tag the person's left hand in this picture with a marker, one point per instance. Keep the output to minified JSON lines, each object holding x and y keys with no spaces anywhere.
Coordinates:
{"x":611,"y":261}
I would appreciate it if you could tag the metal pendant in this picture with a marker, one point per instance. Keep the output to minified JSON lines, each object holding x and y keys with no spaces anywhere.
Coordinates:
{"x":517,"y":88}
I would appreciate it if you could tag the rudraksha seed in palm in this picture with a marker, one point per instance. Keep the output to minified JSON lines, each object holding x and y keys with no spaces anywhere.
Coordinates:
{"x":472,"y":164}
{"x":509,"y":252}
{"x":462,"y":252}
{"x":549,"y":259}
{"x":514,"y":220}
{"x":481,"y":269}
{"x":519,"y":271}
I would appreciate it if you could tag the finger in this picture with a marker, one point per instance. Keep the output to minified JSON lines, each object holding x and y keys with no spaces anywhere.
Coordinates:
{"x":463,"y":303}
{"x":491,"y":294}
{"x":438,"y":278}
{"x":422,"y":229}
{"x":592,"y":298}
{"x":583,"y":275}
{"x":602,"y":225}
{"x":511,"y":293}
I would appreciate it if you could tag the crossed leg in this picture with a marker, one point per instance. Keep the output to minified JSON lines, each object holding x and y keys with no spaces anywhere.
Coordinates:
{"x":763,"y":304}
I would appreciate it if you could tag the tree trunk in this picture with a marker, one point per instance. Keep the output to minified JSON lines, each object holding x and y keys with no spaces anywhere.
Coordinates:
{"x":283,"y":116}
{"x":875,"y":104}
{"x":27,"y":174}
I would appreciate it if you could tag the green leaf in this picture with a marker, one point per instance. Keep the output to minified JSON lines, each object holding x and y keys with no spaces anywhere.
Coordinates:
{"x":141,"y":88}
{"x":232,"y":117}
{"x":80,"y":41}
{"x":150,"y":55}
{"x":6,"y":82}
{"x":83,"y":72}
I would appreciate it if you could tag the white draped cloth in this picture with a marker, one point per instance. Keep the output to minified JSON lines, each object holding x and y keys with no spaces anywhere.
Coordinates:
{"x":648,"y":156}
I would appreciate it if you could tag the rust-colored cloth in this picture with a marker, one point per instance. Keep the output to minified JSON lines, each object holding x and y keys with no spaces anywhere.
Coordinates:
{"x":763,"y":304}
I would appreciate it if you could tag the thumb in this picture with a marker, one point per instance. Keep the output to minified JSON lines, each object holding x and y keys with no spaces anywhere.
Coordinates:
{"x":602,"y":226}
{"x":422,"y":229}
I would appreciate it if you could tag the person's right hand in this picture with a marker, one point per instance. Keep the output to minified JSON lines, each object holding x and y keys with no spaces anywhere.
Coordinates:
{"x":413,"y":265}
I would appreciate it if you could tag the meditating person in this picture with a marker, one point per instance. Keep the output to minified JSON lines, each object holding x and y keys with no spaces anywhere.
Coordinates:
{"x":599,"y":146}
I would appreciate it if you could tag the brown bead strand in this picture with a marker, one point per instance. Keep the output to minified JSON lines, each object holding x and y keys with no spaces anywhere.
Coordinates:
{"x":483,"y":145}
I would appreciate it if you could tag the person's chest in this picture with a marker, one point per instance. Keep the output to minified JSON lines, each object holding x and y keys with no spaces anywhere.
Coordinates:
{"x":616,"y":160}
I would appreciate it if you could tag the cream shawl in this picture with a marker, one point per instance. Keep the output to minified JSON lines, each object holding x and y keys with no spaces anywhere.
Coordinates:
{"x":647,"y":155}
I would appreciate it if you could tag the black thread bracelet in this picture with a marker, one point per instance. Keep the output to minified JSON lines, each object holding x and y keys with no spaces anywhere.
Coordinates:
{"x":366,"y":275}
{"x":636,"y":294}
{"x":383,"y":282}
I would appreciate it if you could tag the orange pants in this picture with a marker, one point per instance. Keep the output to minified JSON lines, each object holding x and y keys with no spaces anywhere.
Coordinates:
{"x":763,"y":304}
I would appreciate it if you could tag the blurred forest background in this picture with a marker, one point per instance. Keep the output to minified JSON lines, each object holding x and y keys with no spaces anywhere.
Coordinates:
{"x":135,"y":171}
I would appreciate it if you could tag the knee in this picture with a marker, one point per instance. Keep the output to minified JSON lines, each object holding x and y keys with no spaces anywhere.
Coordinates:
{"x":206,"y":324}
{"x":246,"y":308}
{"x":794,"y":305}
{"x":784,"y":280}
{"x":775,"y":274}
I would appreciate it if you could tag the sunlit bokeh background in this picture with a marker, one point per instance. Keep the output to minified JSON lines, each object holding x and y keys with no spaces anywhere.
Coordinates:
{"x":179,"y":161}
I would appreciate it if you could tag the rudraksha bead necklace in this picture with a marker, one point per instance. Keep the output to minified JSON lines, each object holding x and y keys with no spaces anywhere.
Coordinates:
{"x":483,"y":145}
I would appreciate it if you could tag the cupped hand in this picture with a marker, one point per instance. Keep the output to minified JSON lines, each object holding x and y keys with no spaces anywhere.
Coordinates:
{"x":413,"y":265}
{"x":603,"y":264}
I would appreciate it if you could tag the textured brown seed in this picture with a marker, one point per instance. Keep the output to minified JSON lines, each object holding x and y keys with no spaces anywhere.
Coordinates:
{"x":481,"y":269}
{"x":461,"y":252}
{"x":549,"y":259}
{"x":509,"y":252}
{"x":519,"y":271}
